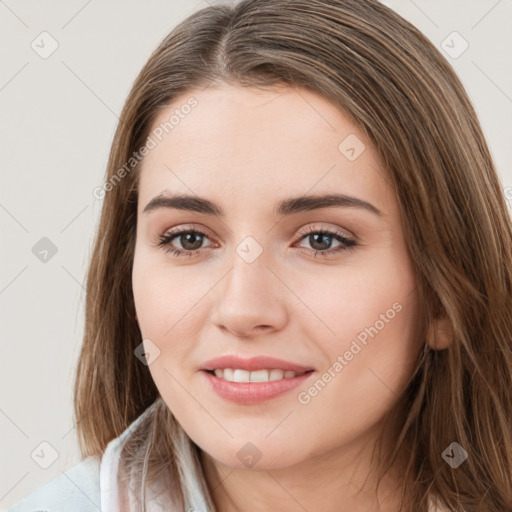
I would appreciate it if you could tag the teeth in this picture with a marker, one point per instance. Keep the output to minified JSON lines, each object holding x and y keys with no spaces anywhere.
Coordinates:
{"x":257,"y":376}
{"x":276,"y":375}
{"x":236,"y":375}
{"x":227,"y":374}
{"x":241,"y":376}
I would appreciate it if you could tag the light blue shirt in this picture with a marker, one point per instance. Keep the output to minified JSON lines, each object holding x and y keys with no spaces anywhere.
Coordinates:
{"x":90,"y":486}
{"x":75,"y":490}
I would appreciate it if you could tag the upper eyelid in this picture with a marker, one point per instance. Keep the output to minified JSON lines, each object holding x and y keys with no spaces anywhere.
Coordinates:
{"x":332,"y":231}
{"x":310,"y":228}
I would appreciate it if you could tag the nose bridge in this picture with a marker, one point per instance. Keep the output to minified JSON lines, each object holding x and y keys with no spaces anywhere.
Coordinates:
{"x":249,"y":273}
{"x":250,"y":296}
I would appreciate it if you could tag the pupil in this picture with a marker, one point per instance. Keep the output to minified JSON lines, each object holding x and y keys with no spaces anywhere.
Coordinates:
{"x":189,"y":238}
{"x":323,"y":239}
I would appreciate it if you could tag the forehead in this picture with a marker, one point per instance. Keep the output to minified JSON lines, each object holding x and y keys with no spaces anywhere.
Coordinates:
{"x":252,"y":143}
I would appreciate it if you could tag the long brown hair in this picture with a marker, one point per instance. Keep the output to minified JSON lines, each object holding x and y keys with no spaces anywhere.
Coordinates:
{"x":390,"y":80}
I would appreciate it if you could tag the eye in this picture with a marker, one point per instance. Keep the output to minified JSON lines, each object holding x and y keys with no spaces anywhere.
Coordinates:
{"x":320,"y":238}
{"x":191,"y":241}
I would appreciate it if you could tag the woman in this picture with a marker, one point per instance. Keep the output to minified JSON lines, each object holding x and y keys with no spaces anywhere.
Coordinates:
{"x":299,"y":295}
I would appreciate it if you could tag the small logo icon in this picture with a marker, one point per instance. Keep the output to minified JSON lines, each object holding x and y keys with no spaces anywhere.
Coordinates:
{"x":98,"y":193}
{"x":147,"y":352}
{"x":44,"y":455}
{"x":249,"y":454}
{"x":44,"y":250}
{"x":351,"y":147}
{"x":44,"y":45}
{"x":455,"y":455}
{"x":454,"y":45}
{"x":249,"y":249}
{"x":508,"y":196}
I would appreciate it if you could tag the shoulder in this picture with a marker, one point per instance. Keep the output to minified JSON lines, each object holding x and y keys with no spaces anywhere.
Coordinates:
{"x":75,"y":490}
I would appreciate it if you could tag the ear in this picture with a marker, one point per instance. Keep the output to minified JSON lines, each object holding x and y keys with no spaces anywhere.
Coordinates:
{"x":440,"y":334}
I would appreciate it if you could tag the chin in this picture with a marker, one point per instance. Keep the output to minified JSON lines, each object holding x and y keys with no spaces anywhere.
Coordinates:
{"x":256,"y":456}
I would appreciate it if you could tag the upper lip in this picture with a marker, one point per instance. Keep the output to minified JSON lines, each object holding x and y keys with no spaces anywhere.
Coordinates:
{"x":253,"y":363}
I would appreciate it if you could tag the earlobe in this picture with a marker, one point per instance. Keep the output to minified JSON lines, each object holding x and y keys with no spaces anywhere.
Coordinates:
{"x":440,"y":334}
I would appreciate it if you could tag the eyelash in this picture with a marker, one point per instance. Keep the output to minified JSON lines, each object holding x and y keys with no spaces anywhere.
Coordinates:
{"x":165,"y":239}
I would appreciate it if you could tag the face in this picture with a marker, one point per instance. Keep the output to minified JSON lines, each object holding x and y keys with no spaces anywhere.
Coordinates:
{"x":326,"y":286}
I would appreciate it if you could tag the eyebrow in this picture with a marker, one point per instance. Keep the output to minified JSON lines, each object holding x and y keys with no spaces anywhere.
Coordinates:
{"x":288,"y":206}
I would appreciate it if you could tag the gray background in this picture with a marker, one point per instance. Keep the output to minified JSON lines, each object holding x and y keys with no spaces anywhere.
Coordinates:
{"x":58,"y":118}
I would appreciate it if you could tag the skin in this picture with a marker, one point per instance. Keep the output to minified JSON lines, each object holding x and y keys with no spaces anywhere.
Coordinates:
{"x":245,"y":149}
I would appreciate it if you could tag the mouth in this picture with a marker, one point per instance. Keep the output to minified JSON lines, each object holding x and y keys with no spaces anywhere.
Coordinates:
{"x":264,"y":375}
{"x":255,"y":364}
{"x":254,"y":387}
{"x":253,"y":380}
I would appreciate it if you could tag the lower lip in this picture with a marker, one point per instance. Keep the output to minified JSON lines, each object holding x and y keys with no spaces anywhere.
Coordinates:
{"x":248,"y":393}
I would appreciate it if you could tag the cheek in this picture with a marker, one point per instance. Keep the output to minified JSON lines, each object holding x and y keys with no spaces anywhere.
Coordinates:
{"x":366,"y":327}
{"x":366,"y":373}
{"x":163,"y":294}
{"x":351,"y":300}
{"x":368,"y":362}
{"x":165,"y":301}
{"x":170,"y":307}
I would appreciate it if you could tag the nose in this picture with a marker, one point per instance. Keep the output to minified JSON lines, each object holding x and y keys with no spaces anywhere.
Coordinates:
{"x":251,"y":300}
